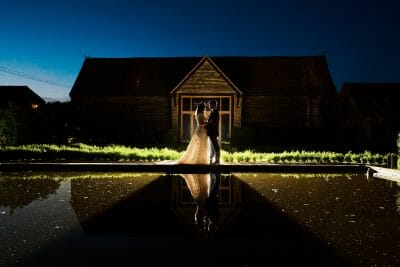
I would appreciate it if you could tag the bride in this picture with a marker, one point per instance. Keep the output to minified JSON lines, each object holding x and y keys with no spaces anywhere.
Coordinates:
{"x":197,"y":152}
{"x":204,"y":189}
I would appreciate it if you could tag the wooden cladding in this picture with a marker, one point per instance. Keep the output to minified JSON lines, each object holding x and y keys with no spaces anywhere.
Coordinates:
{"x":152,"y":112}
{"x":283,"y":111}
{"x":203,"y":83}
{"x":205,"y":80}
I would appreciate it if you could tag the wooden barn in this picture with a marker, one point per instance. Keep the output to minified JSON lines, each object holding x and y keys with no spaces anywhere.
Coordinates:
{"x":368,"y":116}
{"x":148,"y":100}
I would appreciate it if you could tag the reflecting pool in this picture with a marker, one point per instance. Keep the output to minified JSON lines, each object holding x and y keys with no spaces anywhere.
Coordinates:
{"x":237,"y":219}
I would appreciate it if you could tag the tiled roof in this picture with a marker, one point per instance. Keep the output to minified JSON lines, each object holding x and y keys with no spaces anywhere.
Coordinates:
{"x":158,"y":76}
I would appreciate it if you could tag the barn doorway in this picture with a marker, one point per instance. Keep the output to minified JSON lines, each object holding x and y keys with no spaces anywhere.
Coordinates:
{"x":188,"y":121}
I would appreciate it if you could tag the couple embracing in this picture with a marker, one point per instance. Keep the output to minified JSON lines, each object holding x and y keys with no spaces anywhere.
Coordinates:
{"x":204,"y":147}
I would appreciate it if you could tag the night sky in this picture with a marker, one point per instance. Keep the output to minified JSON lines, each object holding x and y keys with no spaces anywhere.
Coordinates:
{"x":49,"y":39}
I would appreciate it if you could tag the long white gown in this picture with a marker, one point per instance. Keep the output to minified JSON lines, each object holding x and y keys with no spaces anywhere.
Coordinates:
{"x":200,"y":186}
{"x":198,"y":150}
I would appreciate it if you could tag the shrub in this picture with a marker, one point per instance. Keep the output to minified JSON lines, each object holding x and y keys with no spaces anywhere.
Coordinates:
{"x":244,"y":133}
{"x":117,"y":153}
{"x":398,"y":150}
{"x":347,"y":157}
{"x":8,"y":127}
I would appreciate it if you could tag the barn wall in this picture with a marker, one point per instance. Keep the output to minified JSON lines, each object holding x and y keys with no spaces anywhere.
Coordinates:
{"x":123,"y":120}
{"x":275,"y":111}
{"x":237,"y":111}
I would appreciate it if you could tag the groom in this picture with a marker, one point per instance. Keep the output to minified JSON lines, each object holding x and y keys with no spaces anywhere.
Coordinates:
{"x":212,"y":131}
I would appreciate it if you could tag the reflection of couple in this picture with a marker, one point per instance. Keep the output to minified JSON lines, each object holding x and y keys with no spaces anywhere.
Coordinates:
{"x":206,"y":133}
{"x":204,"y":190}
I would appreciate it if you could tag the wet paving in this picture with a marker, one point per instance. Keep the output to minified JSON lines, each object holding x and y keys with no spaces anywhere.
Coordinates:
{"x":237,"y":219}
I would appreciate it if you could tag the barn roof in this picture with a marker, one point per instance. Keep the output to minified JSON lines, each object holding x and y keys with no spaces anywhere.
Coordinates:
{"x":372,"y":98}
{"x":158,"y":76}
{"x":19,"y":95}
{"x":279,"y":75}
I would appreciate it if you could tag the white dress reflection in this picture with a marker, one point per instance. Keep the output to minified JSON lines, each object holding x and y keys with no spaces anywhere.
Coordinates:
{"x":204,"y":190}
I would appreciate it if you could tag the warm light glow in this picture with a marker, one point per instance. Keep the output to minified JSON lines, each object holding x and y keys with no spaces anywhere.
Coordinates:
{"x":34,"y":106}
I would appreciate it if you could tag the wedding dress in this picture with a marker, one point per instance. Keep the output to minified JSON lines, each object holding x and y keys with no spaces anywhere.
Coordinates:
{"x":199,"y":186}
{"x":197,"y":152}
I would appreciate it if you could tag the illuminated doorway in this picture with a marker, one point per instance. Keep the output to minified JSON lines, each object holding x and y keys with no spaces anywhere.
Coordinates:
{"x":187,"y":115}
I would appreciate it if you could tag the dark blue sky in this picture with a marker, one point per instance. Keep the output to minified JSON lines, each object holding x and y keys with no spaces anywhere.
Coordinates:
{"x":47,"y":39}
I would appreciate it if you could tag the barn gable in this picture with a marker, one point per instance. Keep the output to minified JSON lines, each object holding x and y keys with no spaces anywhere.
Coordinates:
{"x":206,"y":78}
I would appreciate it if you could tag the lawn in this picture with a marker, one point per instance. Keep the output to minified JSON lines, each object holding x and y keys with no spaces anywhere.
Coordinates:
{"x":82,"y":152}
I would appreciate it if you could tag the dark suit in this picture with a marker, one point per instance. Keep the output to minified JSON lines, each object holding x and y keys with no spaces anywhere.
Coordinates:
{"x":211,"y":204}
{"x":213,"y":133}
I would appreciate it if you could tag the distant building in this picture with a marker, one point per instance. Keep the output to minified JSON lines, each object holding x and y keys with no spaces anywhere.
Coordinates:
{"x":139,"y":100}
{"x":368,"y":115}
{"x":21,"y":119}
{"x":20,"y":96}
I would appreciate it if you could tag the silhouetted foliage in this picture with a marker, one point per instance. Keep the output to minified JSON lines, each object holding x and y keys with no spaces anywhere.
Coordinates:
{"x":8,"y":127}
{"x":17,"y":126}
{"x":239,"y":135}
{"x":46,"y":124}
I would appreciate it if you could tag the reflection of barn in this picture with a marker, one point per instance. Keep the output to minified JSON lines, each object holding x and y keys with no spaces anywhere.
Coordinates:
{"x":142,"y":226}
{"x":136,"y":206}
{"x":368,"y":116}
{"x":145,"y":205}
{"x":153,"y":99}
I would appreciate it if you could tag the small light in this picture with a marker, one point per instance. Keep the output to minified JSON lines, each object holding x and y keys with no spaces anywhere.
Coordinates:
{"x":34,"y":106}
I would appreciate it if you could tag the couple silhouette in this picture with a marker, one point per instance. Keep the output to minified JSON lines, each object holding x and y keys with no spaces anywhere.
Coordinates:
{"x":204,"y":189}
{"x":204,"y":147}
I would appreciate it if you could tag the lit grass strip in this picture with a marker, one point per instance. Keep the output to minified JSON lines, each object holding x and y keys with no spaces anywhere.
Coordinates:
{"x":83,"y":152}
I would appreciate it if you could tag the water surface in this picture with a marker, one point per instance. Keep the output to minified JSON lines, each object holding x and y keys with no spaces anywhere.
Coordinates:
{"x":198,"y":219}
